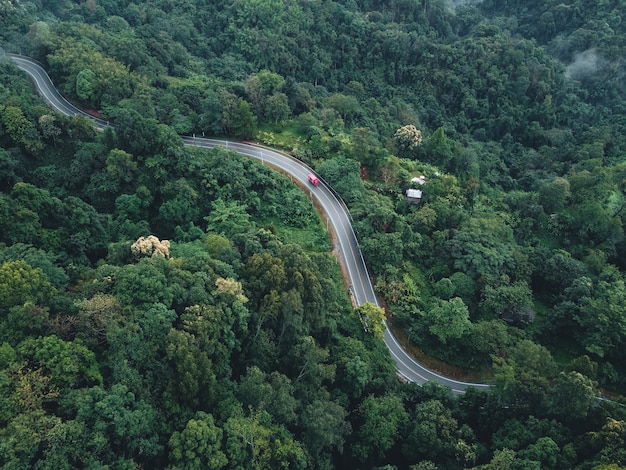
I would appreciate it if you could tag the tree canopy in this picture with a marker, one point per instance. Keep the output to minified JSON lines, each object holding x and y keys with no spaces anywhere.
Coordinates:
{"x":172,"y":307}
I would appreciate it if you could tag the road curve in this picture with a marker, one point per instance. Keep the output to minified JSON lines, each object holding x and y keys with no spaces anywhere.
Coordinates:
{"x":347,"y":247}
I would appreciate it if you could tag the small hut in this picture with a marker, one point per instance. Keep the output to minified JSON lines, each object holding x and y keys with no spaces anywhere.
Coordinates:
{"x":414,"y":195}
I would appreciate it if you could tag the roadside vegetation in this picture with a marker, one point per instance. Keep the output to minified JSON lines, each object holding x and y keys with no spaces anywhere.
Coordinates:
{"x":168,"y":307}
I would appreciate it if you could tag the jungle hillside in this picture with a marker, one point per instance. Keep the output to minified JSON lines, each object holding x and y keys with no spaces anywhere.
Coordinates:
{"x":182,"y":308}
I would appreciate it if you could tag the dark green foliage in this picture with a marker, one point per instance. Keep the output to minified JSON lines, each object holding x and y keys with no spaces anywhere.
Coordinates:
{"x":343,"y":176}
{"x":240,"y":349}
{"x":198,"y":445}
{"x":37,"y":259}
{"x":381,"y":419}
{"x":127,"y":425}
{"x":70,"y":364}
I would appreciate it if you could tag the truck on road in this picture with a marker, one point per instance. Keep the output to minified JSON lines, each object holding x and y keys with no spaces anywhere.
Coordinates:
{"x":314,"y":180}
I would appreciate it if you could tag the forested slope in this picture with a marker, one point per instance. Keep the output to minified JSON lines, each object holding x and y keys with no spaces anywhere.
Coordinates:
{"x":166,"y":307}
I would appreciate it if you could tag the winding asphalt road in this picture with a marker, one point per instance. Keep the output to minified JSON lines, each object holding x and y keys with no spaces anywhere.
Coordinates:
{"x":347,"y":246}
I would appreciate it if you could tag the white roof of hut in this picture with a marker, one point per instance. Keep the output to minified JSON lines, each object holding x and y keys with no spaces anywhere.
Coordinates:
{"x":414,"y":193}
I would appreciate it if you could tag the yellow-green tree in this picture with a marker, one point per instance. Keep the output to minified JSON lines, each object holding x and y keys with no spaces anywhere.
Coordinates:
{"x":372,"y":318}
{"x":20,"y":283}
{"x":20,"y":128}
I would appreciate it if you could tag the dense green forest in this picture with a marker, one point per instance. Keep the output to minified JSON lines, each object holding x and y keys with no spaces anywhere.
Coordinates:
{"x":170,"y":307}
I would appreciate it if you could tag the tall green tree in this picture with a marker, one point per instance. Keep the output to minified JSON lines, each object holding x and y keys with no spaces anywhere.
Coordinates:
{"x":483,"y":248}
{"x":524,"y":376}
{"x":244,"y":121}
{"x":252,"y":441}
{"x":143,"y":283}
{"x":325,"y":429}
{"x":199,"y":445}
{"x":448,"y":319}
{"x":193,"y":379}
{"x":382,"y":420}
{"x":121,"y":423}
{"x":273,"y":393}
{"x":69,"y":363}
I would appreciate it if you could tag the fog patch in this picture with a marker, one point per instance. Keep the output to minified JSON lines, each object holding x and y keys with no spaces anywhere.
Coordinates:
{"x":585,"y":65}
{"x":454,"y":4}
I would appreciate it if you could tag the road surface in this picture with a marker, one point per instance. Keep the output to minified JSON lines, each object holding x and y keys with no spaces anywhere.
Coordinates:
{"x":347,"y":247}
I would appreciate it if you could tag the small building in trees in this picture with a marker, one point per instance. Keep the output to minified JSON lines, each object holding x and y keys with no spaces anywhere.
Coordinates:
{"x":414,"y":195}
{"x":419,"y":180}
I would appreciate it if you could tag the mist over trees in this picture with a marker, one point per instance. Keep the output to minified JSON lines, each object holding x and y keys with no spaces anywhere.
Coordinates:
{"x":170,"y":307}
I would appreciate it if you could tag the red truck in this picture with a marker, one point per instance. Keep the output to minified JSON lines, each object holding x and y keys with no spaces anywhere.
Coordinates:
{"x":314,"y":180}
